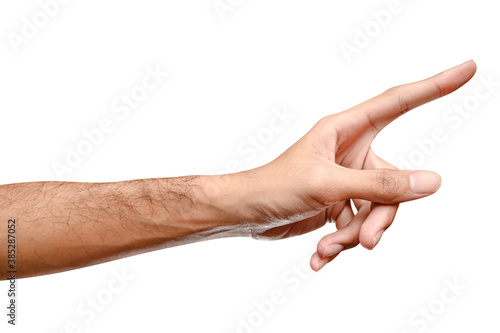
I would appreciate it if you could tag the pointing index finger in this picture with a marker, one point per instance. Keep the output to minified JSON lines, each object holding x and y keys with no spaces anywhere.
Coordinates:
{"x":386,"y":107}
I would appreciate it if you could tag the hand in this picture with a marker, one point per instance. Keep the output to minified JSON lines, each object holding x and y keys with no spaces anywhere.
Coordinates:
{"x":332,"y":167}
{"x":315,"y":181}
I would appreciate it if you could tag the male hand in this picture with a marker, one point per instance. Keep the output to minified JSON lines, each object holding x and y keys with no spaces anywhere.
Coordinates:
{"x":316,"y":180}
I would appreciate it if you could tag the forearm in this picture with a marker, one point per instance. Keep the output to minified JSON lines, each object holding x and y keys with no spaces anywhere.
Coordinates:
{"x":67,"y":225}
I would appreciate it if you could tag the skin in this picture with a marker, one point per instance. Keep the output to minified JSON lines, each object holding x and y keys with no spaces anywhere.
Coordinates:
{"x":67,"y":225}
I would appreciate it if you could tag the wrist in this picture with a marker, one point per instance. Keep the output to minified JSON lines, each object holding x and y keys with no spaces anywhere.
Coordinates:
{"x":226,"y":201}
{"x":201,"y":206}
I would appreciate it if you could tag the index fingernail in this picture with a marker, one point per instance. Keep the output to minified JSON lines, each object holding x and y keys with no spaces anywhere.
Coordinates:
{"x":332,"y":250}
{"x":376,"y":239}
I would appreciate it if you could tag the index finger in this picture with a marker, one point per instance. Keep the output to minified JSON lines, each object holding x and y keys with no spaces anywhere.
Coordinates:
{"x":386,"y":107}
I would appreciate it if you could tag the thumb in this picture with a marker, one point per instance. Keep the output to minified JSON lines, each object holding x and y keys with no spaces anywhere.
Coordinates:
{"x":386,"y":186}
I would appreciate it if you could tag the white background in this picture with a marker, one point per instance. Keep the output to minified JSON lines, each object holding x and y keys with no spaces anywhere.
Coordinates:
{"x":226,"y":75}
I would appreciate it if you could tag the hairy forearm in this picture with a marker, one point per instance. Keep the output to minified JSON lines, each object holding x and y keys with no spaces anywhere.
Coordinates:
{"x":67,"y":225}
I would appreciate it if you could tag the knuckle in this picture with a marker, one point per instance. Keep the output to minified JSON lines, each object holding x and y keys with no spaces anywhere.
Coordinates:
{"x":390,"y":91}
{"x":326,"y":123}
{"x":397,"y":93}
{"x":393,"y":91}
{"x":326,"y":120}
{"x":440,"y":89}
{"x":387,"y":184}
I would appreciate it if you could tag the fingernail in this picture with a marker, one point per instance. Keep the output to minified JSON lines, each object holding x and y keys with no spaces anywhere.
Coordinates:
{"x":332,"y":250}
{"x":376,"y":239}
{"x":424,"y":182}
{"x":320,"y":264}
